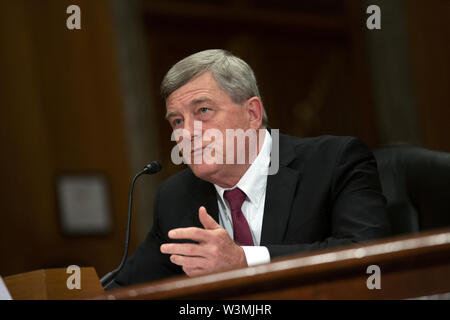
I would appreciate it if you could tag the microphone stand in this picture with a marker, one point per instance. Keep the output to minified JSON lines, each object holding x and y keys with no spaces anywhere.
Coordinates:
{"x":108,"y":279}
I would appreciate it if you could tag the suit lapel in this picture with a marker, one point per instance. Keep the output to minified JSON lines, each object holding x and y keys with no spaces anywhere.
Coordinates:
{"x":204,"y":194}
{"x":280,"y":192}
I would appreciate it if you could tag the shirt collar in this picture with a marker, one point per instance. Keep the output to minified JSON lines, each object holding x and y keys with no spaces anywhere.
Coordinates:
{"x":253,"y":183}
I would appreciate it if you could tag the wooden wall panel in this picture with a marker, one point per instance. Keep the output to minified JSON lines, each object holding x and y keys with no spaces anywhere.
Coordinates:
{"x":60,"y":112}
{"x":429,"y":37}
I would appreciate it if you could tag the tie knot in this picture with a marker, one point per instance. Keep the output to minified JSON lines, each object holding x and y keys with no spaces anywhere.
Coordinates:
{"x":235,"y":198}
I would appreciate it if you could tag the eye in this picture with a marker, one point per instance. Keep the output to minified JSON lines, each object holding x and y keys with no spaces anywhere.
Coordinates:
{"x":177,"y":122}
{"x":203,"y":110}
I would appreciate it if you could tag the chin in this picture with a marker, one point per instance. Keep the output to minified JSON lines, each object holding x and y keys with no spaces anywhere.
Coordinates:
{"x":205,"y":171}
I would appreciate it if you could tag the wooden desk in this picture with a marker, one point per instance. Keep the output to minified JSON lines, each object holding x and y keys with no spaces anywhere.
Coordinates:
{"x":50,"y":284}
{"x":411,"y":267}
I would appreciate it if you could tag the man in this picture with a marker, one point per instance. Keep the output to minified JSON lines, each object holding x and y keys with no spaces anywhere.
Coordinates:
{"x":216,"y":216}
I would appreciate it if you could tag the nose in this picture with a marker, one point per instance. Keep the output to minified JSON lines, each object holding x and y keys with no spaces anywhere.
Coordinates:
{"x":189,"y":125}
{"x":193,"y":127}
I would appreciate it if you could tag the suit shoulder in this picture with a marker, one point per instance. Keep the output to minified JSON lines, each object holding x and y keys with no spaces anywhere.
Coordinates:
{"x":178,"y":181}
{"x":325,"y":144}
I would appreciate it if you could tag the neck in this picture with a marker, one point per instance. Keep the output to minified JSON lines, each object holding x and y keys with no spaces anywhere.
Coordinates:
{"x":232,"y":177}
{"x":235,"y":172}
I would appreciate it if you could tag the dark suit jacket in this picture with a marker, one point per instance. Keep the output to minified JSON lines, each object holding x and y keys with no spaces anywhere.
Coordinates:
{"x":326,"y":193}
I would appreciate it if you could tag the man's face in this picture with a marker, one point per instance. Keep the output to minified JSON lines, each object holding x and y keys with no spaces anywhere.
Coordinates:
{"x":202,"y":100}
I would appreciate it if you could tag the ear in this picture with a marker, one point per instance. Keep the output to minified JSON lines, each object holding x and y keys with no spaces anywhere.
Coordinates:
{"x":255,"y":112}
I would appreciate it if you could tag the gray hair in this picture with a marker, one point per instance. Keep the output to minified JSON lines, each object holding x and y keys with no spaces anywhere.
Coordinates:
{"x":232,"y":74}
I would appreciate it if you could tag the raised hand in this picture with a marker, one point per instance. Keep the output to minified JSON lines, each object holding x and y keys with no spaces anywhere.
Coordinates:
{"x":215,"y":250}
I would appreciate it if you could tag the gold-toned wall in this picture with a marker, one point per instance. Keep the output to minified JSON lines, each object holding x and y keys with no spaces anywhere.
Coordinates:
{"x":60,"y":112}
{"x":429,"y":38}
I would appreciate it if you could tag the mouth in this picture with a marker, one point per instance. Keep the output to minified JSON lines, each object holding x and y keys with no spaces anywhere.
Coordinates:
{"x":197,"y":150}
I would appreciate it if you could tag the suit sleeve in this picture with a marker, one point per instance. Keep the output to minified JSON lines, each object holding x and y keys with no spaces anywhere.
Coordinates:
{"x":358,"y":207}
{"x":148,"y":263}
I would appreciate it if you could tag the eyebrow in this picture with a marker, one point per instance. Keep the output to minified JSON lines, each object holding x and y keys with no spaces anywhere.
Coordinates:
{"x":200,"y":100}
{"x":170,"y":114}
{"x":194,"y":102}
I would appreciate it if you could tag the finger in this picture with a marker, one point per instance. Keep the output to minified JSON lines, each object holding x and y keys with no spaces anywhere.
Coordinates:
{"x":206,"y":220}
{"x":185,"y":249}
{"x":187,"y":262}
{"x":192,"y":233}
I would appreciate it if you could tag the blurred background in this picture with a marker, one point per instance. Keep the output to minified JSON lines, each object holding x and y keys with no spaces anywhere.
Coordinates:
{"x":85,"y":103}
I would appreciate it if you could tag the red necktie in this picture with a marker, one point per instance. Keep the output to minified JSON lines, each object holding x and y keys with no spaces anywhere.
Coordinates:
{"x":241,"y":230}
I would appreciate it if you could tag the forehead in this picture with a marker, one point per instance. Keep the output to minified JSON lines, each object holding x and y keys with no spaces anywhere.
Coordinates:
{"x":204,"y":84}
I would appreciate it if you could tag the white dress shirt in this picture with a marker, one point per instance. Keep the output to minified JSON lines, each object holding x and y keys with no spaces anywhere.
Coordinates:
{"x":253,"y":183}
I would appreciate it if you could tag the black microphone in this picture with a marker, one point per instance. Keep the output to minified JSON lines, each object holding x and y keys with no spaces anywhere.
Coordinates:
{"x":151,"y":168}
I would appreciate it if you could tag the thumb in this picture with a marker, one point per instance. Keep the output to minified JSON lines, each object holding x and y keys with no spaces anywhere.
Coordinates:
{"x":206,"y":220}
